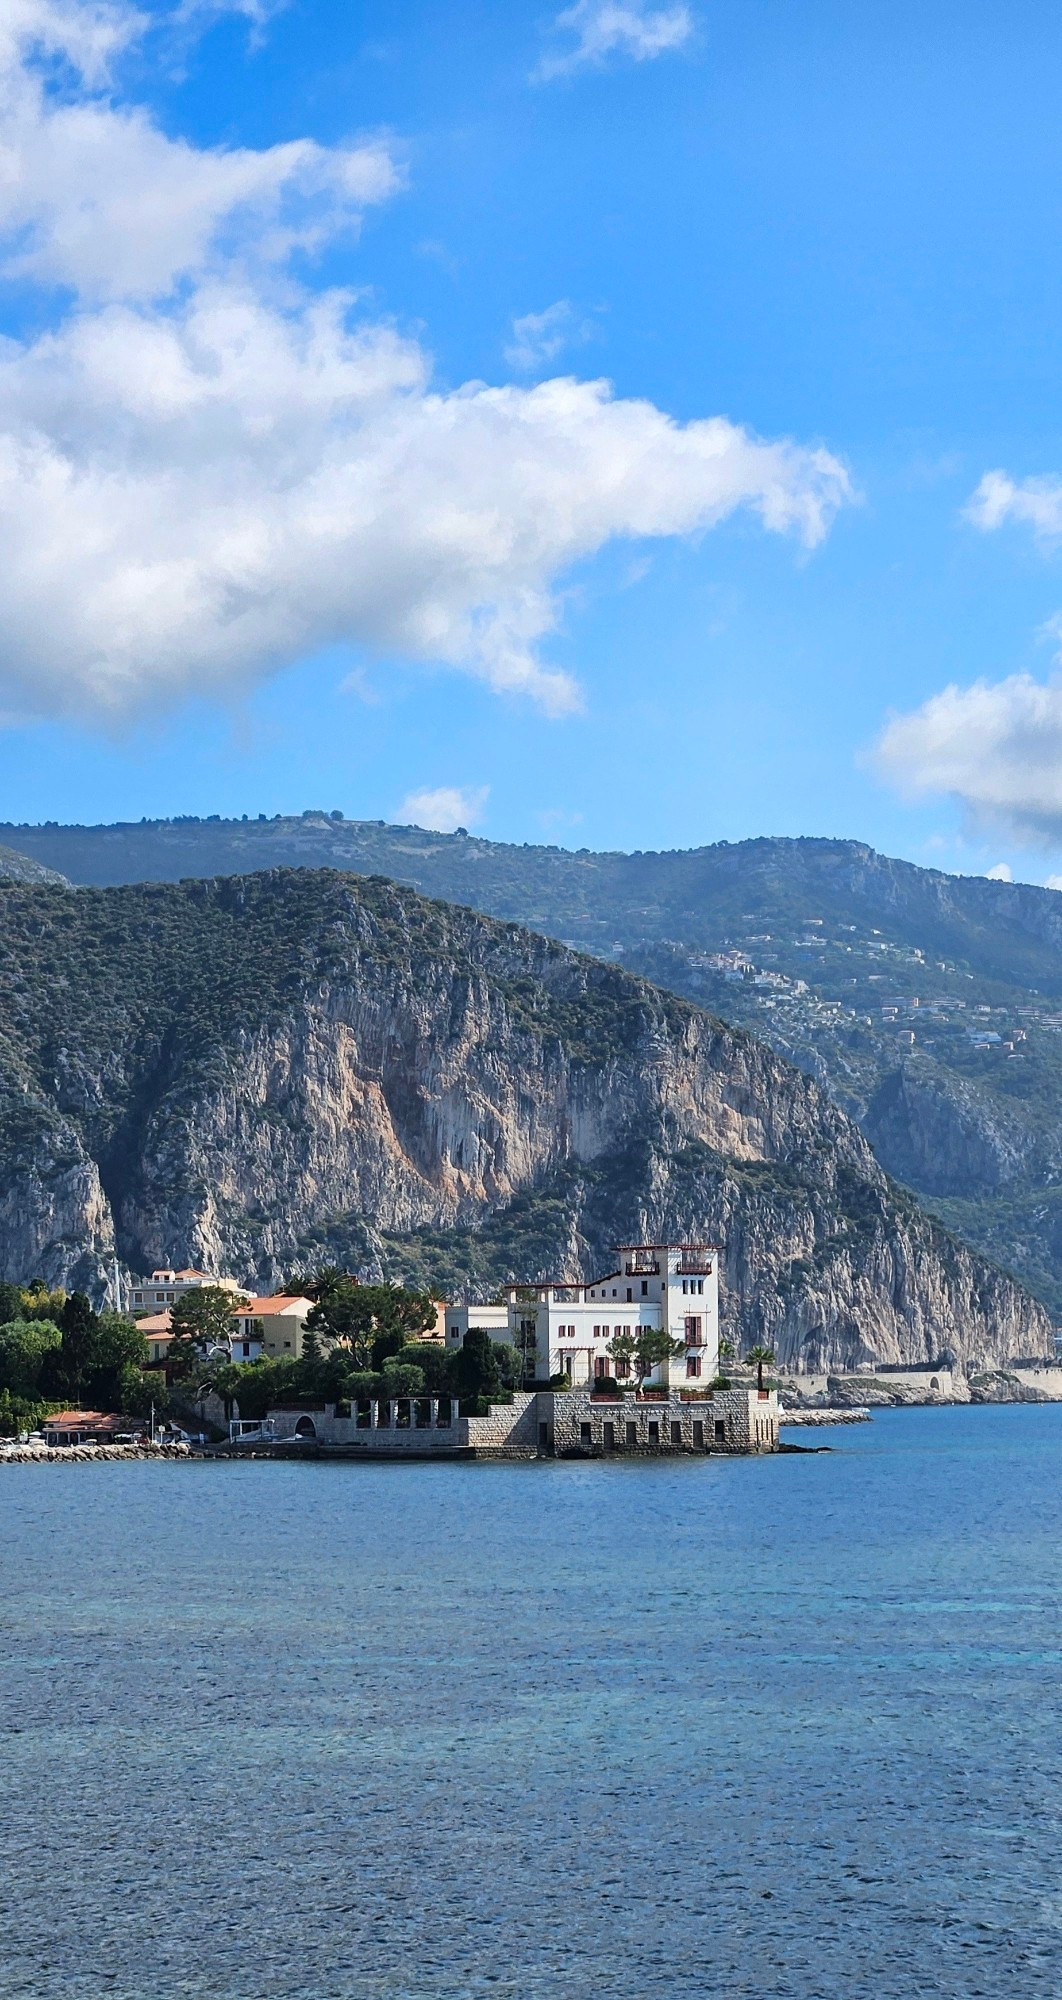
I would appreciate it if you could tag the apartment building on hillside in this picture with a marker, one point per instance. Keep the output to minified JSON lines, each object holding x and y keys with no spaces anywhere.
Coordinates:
{"x":165,"y":1287}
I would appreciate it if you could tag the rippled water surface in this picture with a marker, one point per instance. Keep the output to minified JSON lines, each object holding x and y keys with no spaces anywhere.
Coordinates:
{"x":765,"y":1727}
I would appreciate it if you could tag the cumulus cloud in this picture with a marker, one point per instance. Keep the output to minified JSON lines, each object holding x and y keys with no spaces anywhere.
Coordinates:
{"x":995,"y":747}
{"x":198,"y":488}
{"x":94,"y":197}
{"x":604,"y":28}
{"x":1001,"y":872}
{"x":538,"y":338}
{"x":444,"y":809}
{"x":1035,"y":503}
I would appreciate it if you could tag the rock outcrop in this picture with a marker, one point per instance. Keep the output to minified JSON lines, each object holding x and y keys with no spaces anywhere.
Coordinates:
{"x":254,"y":1074}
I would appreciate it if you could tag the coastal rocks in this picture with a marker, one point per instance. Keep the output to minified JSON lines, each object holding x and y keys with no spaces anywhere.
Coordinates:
{"x":1000,"y":1386}
{"x":789,"y":1414}
{"x":86,"y":1454}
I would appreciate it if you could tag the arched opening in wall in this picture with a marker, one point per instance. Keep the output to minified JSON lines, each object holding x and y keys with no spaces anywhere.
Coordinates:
{"x":934,"y":1382}
{"x":306,"y":1428}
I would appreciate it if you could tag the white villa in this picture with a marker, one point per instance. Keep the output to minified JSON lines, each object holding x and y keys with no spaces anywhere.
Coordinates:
{"x":565,"y":1329}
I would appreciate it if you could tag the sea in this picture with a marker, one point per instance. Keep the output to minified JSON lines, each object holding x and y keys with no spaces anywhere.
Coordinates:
{"x":774,"y":1726}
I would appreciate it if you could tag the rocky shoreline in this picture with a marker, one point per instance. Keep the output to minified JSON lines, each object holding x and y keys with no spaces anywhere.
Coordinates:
{"x":43,"y":1454}
{"x":812,"y":1418}
{"x":870,"y":1392}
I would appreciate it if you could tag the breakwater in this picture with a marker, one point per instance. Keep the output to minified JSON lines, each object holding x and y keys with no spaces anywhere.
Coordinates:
{"x":44,"y":1454}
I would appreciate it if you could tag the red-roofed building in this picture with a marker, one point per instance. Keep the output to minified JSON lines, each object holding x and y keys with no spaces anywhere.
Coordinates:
{"x":276,"y":1324}
{"x":81,"y":1427}
{"x":156,"y":1330}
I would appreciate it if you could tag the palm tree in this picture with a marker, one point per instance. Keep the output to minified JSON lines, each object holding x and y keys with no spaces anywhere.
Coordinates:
{"x":764,"y":1358}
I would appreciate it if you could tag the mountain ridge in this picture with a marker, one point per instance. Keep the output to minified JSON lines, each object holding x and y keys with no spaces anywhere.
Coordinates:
{"x":873,"y":975}
{"x":250,"y":1073}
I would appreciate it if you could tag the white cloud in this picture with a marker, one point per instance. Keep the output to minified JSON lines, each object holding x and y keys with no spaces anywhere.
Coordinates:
{"x":995,"y":747}
{"x":93,"y":196}
{"x":604,"y":28}
{"x":1000,"y":873}
{"x":1035,"y":503}
{"x":538,"y":338}
{"x":444,"y":809}
{"x":88,"y":34}
{"x":1053,"y":882}
{"x":197,"y":490}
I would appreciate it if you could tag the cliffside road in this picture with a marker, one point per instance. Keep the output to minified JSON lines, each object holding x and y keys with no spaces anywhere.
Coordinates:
{"x":251,"y":1074}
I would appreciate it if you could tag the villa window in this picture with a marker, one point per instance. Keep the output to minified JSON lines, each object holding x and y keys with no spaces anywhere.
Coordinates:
{"x":693,"y":1330}
{"x":693,"y":1365}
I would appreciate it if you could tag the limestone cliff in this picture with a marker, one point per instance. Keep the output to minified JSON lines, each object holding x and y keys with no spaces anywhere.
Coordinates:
{"x":254,"y":1073}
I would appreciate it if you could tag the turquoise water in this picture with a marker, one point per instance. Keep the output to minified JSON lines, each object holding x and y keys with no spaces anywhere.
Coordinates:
{"x":760,"y":1727}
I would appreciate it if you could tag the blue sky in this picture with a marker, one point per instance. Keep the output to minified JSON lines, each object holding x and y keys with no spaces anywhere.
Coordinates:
{"x":829,"y":224}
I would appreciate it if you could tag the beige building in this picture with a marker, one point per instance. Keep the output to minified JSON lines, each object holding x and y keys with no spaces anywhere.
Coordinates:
{"x":157,"y":1331}
{"x":165,"y":1287}
{"x":273,"y":1326}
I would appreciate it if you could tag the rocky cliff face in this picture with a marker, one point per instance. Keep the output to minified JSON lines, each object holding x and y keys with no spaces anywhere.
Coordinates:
{"x":252,"y":1074}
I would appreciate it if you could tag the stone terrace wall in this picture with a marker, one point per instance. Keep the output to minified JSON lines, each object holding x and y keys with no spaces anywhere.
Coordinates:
{"x":510,"y":1429}
{"x":568,"y":1422}
{"x":732,"y":1420}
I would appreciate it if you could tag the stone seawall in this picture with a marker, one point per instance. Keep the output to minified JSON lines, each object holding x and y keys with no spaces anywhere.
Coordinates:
{"x":566,"y":1423}
{"x":733,"y":1420}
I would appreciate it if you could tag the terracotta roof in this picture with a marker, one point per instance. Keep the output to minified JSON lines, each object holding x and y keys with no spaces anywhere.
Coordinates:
{"x":155,"y":1325}
{"x":264,"y":1308}
{"x":80,"y":1420}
